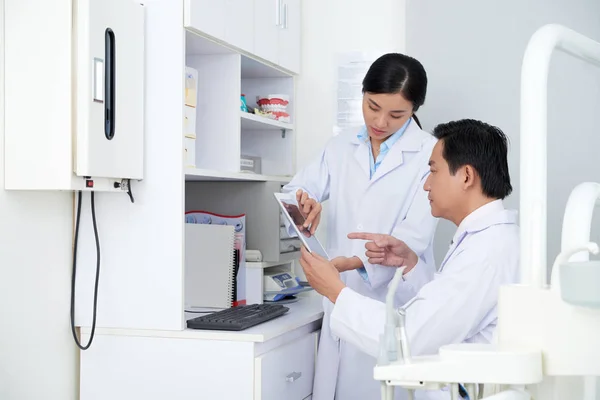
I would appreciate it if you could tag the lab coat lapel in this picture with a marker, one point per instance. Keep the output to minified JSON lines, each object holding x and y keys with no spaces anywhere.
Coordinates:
{"x":410,"y":141}
{"x":453,"y":246}
{"x":497,"y":218}
{"x":361,"y":155}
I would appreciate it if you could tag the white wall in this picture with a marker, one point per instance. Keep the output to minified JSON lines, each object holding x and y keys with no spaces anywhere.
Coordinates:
{"x":329,"y":28}
{"x":472,"y":51}
{"x":37,"y":356}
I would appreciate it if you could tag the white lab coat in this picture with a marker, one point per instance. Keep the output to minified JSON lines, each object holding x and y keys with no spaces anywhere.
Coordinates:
{"x":459,"y":305}
{"x":393,"y":202}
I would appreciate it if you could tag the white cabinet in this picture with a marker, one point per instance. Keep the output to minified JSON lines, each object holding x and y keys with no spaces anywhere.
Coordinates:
{"x":239,"y":25}
{"x":271,"y":361}
{"x":267,"y":29}
{"x":277,"y":32}
{"x":207,"y":16}
{"x":289,"y":35}
{"x":227,"y":20}
{"x":286,"y":372}
{"x":267,"y":20}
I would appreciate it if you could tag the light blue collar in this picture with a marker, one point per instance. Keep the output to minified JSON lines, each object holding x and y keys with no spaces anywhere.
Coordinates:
{"x":363,"y":136}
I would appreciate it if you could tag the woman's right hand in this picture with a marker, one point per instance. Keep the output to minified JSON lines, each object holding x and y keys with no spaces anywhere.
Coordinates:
{"x":310,"y":209}
{"x":343,"y":264}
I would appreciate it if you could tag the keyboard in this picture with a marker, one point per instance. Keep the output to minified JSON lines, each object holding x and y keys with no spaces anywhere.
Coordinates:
{"x":238,"y":318}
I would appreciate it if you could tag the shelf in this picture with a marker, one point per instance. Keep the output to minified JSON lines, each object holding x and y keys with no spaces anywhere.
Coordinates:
{"x":291,"y":292}
{"x":254,"y":68}
{"x":256,"y":122}
{"x":265,"y":265}
{"x":196,"y":43}
{"x":200,"y":175}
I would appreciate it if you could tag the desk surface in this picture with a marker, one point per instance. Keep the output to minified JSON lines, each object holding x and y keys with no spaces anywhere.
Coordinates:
{"x":305,"y":311}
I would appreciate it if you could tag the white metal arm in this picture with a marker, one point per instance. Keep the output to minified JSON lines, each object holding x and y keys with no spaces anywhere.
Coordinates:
{"x":534,"y":78}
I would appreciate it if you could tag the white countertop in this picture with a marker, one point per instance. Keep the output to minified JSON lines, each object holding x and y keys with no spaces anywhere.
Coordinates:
{"x":305,"y":311}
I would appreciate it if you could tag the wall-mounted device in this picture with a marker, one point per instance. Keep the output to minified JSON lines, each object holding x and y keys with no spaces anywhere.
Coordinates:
{"x":74,"y":94}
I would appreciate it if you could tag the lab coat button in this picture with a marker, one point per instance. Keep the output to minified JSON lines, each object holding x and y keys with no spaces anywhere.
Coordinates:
{"x":359,"y":227}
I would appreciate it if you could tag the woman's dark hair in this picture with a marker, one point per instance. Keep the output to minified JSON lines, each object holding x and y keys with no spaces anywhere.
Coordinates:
{"x":398,"y":73}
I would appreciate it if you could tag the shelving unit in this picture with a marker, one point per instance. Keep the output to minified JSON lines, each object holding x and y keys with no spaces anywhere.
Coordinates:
{"x":223,"y":132}
{"x":229,"y":66}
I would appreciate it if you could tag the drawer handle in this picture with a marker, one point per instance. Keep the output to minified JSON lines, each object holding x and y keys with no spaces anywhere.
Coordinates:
{"x":294,"y":376}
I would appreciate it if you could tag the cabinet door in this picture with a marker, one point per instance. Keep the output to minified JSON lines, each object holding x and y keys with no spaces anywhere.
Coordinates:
{"x":267,"y":20}
{"x":239,"y":24}
{"x":289,"y":35}
{"x":207,"y":16}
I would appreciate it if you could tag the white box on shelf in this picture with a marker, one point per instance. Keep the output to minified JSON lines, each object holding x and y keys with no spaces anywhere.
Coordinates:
{"x":191,"y":87}
{"x":189,"y":150}
{"x":250,"y":164}
{"x":189,"y":122}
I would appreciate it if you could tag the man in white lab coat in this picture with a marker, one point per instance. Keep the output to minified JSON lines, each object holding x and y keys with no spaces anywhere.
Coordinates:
{"x":469,"y":178}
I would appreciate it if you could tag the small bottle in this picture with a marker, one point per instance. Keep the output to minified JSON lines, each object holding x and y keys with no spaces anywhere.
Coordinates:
{"x":243,"y":106}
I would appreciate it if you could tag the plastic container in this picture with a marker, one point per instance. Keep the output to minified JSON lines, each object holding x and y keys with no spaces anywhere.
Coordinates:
{"x":243,"y":104}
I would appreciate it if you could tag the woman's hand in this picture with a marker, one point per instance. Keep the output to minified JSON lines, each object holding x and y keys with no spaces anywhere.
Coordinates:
{"x":347,"y":263}
{"x":310,"y":209}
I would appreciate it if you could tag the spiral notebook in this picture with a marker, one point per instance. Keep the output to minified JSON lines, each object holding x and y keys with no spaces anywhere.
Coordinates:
{"x":209,"y":266}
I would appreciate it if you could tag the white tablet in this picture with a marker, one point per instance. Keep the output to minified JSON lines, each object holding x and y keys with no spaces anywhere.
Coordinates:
{"x":289,"y":207}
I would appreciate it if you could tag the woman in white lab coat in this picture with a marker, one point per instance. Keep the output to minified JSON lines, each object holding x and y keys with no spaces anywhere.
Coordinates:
{"x":373,"y":179}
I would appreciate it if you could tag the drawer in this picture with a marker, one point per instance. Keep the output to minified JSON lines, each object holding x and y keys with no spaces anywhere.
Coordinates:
{"x":286,"y":372}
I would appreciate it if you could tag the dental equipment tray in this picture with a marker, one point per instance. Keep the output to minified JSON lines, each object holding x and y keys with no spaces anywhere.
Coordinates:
{"x":238,"y":318}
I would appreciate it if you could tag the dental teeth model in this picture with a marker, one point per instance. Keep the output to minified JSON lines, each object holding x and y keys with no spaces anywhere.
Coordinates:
{"x":273,"y":106}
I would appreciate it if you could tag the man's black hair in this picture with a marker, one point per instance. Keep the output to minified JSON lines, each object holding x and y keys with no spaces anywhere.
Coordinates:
{"x":480,"y":145}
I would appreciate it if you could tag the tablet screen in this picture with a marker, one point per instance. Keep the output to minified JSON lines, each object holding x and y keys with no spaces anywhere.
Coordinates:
{"x":296,"y":218}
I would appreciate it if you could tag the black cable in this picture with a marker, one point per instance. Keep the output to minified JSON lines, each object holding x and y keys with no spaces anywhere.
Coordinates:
{"x":74,"y":273}
{"x":463,"y":392}
{"x":129,"y":190}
